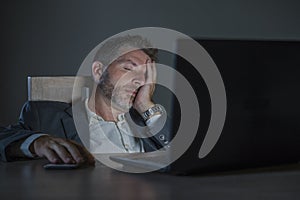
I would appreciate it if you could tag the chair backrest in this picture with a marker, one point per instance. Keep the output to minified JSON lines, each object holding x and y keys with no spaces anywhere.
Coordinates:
{"x":58,"y":88}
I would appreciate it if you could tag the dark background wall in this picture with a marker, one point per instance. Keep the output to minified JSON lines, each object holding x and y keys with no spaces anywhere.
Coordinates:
{"x":53,"y":37}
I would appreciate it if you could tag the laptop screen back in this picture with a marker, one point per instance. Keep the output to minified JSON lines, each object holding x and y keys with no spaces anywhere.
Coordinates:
{"x":262,"y":85}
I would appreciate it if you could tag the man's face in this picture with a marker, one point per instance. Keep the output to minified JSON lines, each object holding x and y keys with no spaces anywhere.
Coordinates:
{"x":121,"y":80}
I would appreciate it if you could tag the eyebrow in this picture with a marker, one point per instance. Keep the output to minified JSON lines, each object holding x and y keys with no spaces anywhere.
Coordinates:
{"x":127,"y":60}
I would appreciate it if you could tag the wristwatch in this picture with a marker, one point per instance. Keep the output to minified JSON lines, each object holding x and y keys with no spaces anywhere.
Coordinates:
{"x":156,"y":109}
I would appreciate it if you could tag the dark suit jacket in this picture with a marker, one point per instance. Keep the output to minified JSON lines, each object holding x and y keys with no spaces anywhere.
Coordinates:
{"x":56,"y":119}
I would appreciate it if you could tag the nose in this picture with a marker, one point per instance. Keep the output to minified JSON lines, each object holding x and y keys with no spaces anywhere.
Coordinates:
{"x":139,"y":78}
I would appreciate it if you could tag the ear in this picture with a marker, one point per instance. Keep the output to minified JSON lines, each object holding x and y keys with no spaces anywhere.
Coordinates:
{"x":97,"y":70}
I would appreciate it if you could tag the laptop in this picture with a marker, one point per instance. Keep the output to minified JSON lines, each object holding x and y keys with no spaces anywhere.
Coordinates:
{"x":262,"y":124}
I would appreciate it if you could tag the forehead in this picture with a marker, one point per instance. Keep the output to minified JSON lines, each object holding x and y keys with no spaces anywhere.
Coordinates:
{"x":137,"y":55}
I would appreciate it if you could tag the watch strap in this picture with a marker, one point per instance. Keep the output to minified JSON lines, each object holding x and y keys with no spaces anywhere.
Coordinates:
{"x":156,"y":109}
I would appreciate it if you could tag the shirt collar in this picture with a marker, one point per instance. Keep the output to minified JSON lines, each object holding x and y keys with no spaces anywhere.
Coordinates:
{"x":93,"y":117}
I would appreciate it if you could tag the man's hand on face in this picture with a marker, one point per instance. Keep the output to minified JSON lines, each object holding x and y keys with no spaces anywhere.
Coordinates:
{"x":58,"y":150}
{"x":143,"y":99}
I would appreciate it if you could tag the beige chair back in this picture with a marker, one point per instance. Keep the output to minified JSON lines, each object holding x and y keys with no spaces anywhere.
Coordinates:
{"x":58,"y":88}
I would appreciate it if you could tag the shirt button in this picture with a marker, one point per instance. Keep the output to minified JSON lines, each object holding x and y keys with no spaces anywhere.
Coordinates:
{"x":161,"y":137}
{"x":120,"y":117}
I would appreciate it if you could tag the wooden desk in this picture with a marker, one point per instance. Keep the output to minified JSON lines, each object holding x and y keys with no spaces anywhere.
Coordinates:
{"x":28,"y":180}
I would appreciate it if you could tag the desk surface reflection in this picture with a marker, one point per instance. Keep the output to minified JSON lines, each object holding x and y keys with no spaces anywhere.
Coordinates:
{"x":29,"y":180}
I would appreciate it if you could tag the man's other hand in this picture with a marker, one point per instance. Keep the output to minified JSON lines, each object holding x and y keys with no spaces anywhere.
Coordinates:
{"x":58,"y":150}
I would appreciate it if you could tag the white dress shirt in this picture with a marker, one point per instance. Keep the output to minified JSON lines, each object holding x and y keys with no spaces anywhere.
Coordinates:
{"x":113,"y":137}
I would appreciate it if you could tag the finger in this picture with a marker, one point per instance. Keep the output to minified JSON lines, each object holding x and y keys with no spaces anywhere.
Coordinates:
{"x":149,"y":74}
{"x":50,"y":155}
{"x":74,"y":151}
{"x":62,"y":152}
{"x":154,"y":72}
{"x":152,"y":75}
{"x":89,"y":158}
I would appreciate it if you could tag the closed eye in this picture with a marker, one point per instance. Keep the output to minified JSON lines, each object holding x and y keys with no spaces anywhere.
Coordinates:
{"x":128,"y":65}
{"x":127,"y":68}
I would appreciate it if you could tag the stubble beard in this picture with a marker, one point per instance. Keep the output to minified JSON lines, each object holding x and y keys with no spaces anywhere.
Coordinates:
{"x":114,"y":95}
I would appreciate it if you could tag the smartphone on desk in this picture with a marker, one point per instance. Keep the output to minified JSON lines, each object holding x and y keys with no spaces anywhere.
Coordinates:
{"x":61,"y":166}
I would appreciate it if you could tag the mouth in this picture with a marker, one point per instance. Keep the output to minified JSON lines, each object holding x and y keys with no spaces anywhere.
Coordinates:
{"x":132,"y":92}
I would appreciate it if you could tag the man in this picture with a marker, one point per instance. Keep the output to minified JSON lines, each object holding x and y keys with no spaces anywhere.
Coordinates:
{"x":121,"y":101}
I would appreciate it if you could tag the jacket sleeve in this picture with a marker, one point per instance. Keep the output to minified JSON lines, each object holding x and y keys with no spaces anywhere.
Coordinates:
{"x":19,"y":131}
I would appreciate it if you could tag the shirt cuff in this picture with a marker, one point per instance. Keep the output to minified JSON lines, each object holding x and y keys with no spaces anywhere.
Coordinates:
{"x":26,"y":144}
